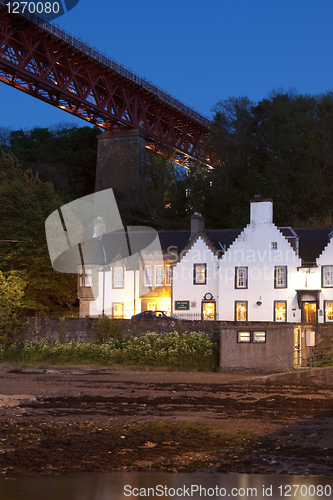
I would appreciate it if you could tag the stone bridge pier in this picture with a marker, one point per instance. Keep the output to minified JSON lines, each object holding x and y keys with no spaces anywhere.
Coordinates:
{"x":120,"y":160}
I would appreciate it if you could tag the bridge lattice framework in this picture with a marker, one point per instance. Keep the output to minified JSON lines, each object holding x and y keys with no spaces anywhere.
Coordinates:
{"x":47,"y":62}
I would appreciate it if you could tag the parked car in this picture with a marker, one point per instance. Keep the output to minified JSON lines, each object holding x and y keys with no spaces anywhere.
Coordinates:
{"x":153,"y":315}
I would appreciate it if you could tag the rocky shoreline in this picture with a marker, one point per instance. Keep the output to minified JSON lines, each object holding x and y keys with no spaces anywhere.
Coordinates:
{"x":59,"y":421}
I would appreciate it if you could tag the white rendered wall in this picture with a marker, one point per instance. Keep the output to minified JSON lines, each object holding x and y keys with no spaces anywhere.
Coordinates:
{"x":253,"y":249}
{"x":183,"y":287}
{"x":123,"y":295}
{"x":324,"y":259}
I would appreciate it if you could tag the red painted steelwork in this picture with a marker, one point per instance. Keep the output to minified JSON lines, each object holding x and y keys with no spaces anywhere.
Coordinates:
{"x":49,"y":64}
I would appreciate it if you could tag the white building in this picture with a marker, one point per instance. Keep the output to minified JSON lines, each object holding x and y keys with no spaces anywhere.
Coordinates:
{"x":259,"y":274}
{"x":135,"y":276}
{"x":195,"y":282}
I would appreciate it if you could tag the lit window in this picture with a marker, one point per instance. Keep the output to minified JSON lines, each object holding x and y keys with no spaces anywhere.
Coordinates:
{"x":274,"y":245}
{"x":255,"y":337}
{"x":244,"y":337}
{"x":241,"y":311}
{"x":309,"y":312}
{"x":280,"y":277}
{"x":166,"y":306}
{"x":149,"y":276}
{"x":151,"y":306}
{"x":258,"y":337}
{"x":159,"y":275}
{"x":200,"y":274}
{"x":280,"y":311}
{"x":118,"y":310}
{"x":168,"y":275}
{"x":241,"y":277}
{"x":118,"y":277}
{"x":87,"y":277}
{"x":327,"y":276}
{"x":328,"y":310}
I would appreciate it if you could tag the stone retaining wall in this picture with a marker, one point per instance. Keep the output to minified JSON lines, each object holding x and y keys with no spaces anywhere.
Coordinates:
{"x":82,"y":328}
{"x":316,"y":376}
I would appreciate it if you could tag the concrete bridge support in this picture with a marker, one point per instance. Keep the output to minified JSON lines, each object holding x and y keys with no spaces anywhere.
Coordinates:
{"x":120,"y":160}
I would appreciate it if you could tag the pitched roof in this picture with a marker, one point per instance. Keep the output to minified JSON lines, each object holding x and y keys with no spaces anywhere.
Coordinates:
{"x":312,"y":240}
{"x":177,"y":240}
{"x":311,"y":243}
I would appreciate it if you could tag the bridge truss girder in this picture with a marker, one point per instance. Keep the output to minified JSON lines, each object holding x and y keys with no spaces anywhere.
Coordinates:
{"x":43,"y":65}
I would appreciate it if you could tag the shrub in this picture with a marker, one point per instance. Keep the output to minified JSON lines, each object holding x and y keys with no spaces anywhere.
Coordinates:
{"x":183,"y":352}
{"x":105,"y":329}
{"x":11,"y":294}
{"x":321,"y":360}
{"x":62,"y":330}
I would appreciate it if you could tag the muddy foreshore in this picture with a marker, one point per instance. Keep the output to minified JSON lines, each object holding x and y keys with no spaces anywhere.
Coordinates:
{"x":70,"y":420}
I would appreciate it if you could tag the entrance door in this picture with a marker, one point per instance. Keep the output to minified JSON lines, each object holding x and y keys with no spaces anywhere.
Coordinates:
{"x":309,"y":312}
{"x":208,"y":310}
{"x":297,"y":344}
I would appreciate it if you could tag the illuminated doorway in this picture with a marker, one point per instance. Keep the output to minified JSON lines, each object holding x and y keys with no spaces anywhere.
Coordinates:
{"x":208,"y":310}
{"x":117,"y":310}
{"x":297,"y":344}
{"x":309,"y":312}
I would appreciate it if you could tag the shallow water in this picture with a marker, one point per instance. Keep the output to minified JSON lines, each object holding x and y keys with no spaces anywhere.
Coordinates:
{"x":122,"y":485}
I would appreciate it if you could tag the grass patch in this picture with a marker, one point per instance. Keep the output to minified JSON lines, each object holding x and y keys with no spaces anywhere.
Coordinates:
{"x":172,"y":351}
{"x":321,"y":360}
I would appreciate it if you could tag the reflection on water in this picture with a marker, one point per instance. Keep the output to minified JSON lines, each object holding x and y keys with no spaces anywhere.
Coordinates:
{"x":122,"y":485}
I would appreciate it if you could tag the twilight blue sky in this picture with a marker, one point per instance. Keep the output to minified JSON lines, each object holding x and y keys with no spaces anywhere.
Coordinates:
{"x":199,"y":51}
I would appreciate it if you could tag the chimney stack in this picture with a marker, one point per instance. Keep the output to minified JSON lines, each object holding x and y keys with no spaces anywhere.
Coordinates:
{"x":261,"y":211}
{"x":99,"y":227}
{"x":197,"y":224}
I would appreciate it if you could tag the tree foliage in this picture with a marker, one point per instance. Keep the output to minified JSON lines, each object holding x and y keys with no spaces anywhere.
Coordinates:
{"x":26,"y":202}
{"x":281,"y":148}
{"x":11,"y":304}
{"x":64,"y":155}
{"x":159,"y":200}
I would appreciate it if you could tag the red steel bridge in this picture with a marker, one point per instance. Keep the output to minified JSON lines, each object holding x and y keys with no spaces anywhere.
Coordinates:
{"x":50,"y":64}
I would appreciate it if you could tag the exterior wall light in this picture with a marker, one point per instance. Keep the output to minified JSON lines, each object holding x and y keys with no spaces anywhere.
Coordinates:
{"x":259,"y":302}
